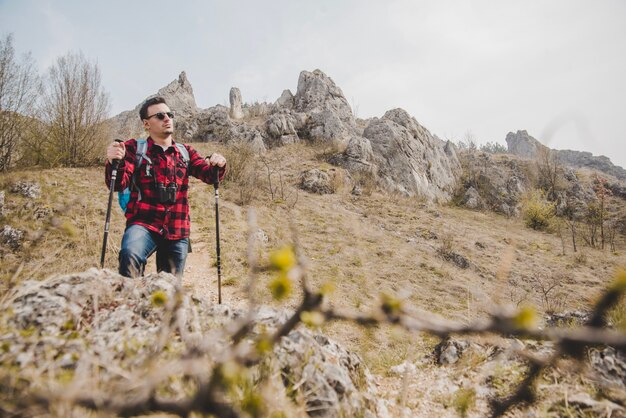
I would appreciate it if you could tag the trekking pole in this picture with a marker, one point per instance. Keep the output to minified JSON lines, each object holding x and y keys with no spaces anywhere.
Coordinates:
{"x":114,"y":166}
{"x":216,"y":185}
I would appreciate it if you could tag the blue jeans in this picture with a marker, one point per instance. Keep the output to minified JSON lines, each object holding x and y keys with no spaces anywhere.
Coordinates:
{"x":139,"y":243}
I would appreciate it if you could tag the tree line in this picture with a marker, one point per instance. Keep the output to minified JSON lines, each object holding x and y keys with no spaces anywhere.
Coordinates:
{"x":59,"y":118}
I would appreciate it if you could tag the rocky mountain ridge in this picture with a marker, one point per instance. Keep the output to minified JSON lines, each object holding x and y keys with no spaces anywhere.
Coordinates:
{"x":400,"y":153}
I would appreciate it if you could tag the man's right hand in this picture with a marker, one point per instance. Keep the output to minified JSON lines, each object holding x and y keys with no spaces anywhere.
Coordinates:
{"x":116,"y":151}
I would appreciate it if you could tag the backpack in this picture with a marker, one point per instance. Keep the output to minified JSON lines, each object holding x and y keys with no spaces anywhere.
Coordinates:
{"x":123,"y":197}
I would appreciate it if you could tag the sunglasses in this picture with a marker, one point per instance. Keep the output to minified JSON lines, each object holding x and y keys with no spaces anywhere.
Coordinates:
{"x":161,"y":115}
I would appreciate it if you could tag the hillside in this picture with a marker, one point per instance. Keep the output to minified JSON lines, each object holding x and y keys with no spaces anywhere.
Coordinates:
{"x":365,"y":245}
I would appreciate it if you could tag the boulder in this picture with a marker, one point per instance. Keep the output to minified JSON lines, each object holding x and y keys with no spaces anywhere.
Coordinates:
{"x":450,"y":350}
{"x":29,"y":189}
{"x":609,"y":365}
{"x":472,"y":199}
{"x":11,"y":237}
{"x":316,"y":181}
{"x":236,"y":111}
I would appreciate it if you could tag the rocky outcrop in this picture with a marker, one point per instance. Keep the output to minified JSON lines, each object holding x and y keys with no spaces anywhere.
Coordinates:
{"x":215,"y":125}
{"x":282,"y":127}
{"x":525,"y":146}
{"x":286,"y":100}
{"x":330,"y":117}
{"x":493,"y":182}
{"x":236,"y":111}
{"x":179,"y":96}
{"x":405,"y":157}
{"x":398,"y":151}
{"x":65,"y":325}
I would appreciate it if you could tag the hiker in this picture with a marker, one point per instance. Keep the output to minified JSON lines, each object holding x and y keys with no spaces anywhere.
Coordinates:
{"x":157,"y":213}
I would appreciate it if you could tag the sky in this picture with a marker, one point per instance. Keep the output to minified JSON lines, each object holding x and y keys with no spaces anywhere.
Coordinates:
{"x":479,"y":69}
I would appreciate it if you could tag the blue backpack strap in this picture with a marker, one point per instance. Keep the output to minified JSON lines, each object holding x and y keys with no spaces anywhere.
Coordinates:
{"x":140,"y":155}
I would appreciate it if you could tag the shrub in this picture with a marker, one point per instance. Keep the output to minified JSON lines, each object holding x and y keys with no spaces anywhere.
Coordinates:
{"x":537,"y":211}
{"x":243,"y":170}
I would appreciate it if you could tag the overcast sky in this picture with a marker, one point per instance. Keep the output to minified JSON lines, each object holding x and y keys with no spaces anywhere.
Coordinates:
{"x":554,"y":68}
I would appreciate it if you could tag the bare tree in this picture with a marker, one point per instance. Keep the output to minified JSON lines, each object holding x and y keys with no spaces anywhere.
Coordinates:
{"x":550,"y":173}
{"x":74,"y":109}
{"x":19,"y":85}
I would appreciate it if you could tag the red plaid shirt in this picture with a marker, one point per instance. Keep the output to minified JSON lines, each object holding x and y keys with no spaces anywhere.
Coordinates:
{"x":168,"y":219}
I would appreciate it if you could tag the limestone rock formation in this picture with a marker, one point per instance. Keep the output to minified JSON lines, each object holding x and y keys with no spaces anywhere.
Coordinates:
{"x":523,"y":145}
{"x":286,"y":100}
{"x":405,"y":157}
{"x":330,"y":115}
{"x":236,"y":111}
{"x":215,"y":125}
{"x":179,"y":96}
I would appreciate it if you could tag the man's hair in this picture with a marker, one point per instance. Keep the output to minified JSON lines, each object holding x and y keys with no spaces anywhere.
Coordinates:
{"x":143,"y":112}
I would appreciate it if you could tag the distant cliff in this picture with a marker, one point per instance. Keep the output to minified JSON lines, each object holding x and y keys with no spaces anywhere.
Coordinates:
{"x":525,"y":146}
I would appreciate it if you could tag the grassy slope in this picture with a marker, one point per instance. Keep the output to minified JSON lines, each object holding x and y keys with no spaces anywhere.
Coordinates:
{"x":364,"y":245}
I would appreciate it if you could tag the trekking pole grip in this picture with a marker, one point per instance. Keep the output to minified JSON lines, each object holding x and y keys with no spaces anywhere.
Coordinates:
{"x":115,"y":163}
{"x":216,"y":181}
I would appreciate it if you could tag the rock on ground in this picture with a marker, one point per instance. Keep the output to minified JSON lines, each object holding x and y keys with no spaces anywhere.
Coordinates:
{"x":65,"y":326}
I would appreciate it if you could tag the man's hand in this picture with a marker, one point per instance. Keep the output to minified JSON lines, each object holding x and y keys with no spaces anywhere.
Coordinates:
{"x":216,"y":160}
{"x":116,"y":151}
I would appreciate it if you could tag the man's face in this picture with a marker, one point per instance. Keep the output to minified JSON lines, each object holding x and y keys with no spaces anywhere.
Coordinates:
{"x":154,"y":125}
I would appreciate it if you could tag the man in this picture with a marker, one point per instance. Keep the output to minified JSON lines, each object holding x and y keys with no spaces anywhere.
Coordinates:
{"x":157,"y":215}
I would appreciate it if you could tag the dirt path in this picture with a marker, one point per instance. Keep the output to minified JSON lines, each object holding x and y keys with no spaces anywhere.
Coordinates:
{"x":200,"y":276}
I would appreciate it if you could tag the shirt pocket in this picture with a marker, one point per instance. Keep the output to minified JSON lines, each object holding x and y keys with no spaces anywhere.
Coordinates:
{"x":180,"y":172}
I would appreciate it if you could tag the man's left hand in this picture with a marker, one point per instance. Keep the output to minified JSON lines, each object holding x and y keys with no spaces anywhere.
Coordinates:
{"x":217,"y":160}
